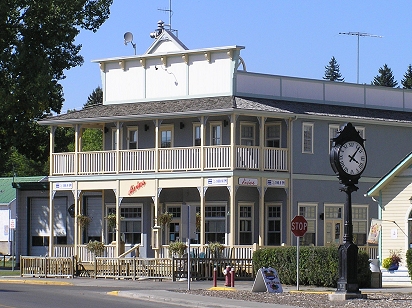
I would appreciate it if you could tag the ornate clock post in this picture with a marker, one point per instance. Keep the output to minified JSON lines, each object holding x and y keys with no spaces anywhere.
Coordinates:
{"x":348,"y":160}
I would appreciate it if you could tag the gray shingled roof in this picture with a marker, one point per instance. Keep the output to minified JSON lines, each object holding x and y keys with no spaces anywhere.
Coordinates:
{"x":222,"y":104}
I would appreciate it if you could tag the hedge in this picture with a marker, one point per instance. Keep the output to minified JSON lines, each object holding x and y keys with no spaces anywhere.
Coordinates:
{"x":318,"y":266}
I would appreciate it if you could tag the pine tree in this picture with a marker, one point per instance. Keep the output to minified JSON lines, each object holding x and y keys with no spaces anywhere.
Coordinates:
{"x":407,"y":78}
{"x":386,"y":78}
{"x":96,"y":98}
{"x":332,"y":72}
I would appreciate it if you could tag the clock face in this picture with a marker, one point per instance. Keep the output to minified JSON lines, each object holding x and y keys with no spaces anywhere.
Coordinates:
{"x":352,"y":158}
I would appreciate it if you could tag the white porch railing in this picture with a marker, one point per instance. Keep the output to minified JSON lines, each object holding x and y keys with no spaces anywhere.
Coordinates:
{"x":137,"y":160}
{"x":84,"y":254}
{"x":247,"y":157}
{"x":170,"y":159}
{"x":97,"y":162}
{"x":217,"y":157}
{"x":179,"y":159}
{"x":275,"y":159}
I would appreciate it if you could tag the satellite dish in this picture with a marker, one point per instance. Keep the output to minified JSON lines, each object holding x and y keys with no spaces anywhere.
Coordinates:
{"x":128,"y":37}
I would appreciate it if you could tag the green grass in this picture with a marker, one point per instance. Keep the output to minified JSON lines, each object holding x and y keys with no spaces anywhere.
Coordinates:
{"x":10,"y":272}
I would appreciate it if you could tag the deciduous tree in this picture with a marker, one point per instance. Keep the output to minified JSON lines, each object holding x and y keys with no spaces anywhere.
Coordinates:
{"x":36,"y":47}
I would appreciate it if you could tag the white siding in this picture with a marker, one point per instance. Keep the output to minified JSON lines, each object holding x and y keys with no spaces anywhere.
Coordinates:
{"x":397,"y":207}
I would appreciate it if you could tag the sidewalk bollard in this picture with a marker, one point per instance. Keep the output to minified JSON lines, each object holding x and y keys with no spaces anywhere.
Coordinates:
{"x":226,"y":272}
{"x":232,"y":277}
{"x":215,"y":277}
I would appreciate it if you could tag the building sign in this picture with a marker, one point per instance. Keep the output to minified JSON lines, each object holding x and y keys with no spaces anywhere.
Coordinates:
{"x":375,"y":229}
{"x":12,"y":224}
{"x":134,"y":188}
{"x":248,"y":181}
{"x":217,"y":182}
{"x":137,"y":188}
{"x":63,"y":186}
{"x":275,"y":183}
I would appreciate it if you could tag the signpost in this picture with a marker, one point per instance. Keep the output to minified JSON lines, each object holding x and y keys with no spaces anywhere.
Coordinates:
{"x":299,"y":226}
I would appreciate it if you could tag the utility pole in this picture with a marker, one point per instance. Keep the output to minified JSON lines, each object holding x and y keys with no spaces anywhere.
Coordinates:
{"x":359,"y":34}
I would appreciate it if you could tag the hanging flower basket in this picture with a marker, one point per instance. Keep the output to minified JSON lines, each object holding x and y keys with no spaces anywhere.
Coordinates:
{"x":198,"y":221}
{"x":177,"y":248}
{"x":83,"y":220}
{"x":165,"y":218}
{"x":111,"y":220}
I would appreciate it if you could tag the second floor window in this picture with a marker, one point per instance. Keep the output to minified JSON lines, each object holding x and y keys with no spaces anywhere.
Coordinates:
{"x":307,"y":138}
{"x":247,"y":134}
{"x":272,"y":135}
{"x":166,"y":137}
{"x":197,"y":136}
{"x":216,"y":133}
{"x":132,"y":138}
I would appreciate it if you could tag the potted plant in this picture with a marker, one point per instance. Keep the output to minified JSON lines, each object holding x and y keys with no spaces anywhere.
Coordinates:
{"x":165,"y":218}
{"x":83,"y":220}
{"x":177,"y":248}
{"x":391,"y":263}
{"x":95,"y":247}
{"x":216,"y":249}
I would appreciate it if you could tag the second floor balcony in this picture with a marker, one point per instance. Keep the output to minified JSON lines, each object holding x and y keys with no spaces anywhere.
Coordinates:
{"x":224,"y":157}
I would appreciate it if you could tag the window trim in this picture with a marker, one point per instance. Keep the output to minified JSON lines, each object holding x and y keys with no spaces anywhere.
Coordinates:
{"x":214,"y":124}
{"x":130,"y":129}
{"x":251,"y":219}
{"x":195,"y":126}
{"x":248,"y":124}
{"x":280,"y":134}
{"x":267,"y":205}
{"x":125,"y":205}
{"x":312,"y":126}
{"x":315,"y":219}
{"x":166,"y":127}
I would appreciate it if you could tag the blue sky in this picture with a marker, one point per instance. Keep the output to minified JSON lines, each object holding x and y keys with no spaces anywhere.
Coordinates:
{"x":289,"y":38}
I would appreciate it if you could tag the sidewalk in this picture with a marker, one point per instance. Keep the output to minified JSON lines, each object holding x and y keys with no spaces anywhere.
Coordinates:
{"x":161,"y":291}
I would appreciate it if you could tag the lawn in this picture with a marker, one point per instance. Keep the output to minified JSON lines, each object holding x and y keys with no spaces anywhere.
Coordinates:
{"x":9,"y":272}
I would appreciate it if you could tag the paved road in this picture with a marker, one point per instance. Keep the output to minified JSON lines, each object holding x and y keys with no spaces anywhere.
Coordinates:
{"x":82,"y":292}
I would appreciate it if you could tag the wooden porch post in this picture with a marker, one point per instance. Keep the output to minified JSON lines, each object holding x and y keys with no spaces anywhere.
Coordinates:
{"x":232,"y":190}
{"x":51,"y":222}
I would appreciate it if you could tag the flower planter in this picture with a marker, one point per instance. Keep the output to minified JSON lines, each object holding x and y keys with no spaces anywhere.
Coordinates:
{"x":393,"y":267}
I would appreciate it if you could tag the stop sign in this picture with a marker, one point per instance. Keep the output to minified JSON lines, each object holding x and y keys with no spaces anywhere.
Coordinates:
{"x":299,"y":225}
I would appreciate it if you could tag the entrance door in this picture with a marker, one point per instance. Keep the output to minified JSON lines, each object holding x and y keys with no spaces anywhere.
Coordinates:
{"x":333,"y":232}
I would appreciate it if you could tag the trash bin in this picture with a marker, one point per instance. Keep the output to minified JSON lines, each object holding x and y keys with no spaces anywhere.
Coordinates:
{"x":376,"y":275}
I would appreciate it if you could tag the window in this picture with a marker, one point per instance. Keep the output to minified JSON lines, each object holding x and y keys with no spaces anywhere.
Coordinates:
{"x":273,"y":227}
{"x":245,"y":225}
{"x":247,"y":134}
{"x":215,"y":224}
{"x":197,"y":136}
{"x":114,"y":138}
{"x":272,"y":135}
{"x":132,"y":138}
{"x":166,"y":136}
{"x":174,"y":225}
{"x":309,"y":212}
{"x":307,"y":138}
{"x":216,"y":133}
{"x":130,"y":225}
{"x":360,"y":223}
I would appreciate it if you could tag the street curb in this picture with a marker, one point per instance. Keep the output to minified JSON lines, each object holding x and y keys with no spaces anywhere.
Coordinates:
{"x":222,"y":289}
{"x":37,"y":282}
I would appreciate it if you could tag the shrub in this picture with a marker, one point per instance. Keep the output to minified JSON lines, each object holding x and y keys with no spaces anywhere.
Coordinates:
{"x":318,"y":266}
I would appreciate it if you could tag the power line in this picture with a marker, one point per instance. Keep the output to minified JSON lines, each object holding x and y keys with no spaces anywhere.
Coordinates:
{"x":359,"y":34}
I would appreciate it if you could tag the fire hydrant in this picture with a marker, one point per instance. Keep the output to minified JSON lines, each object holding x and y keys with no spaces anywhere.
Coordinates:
{"x":227,"y":272}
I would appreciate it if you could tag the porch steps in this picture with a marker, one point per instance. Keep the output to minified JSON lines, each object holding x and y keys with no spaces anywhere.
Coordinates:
{"x":399,"y":277}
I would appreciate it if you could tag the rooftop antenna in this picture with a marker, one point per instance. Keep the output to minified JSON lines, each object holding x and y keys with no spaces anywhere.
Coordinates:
{"x":128,"y":38}
{"x":359,"y":34}
{"x":170,"y":17}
